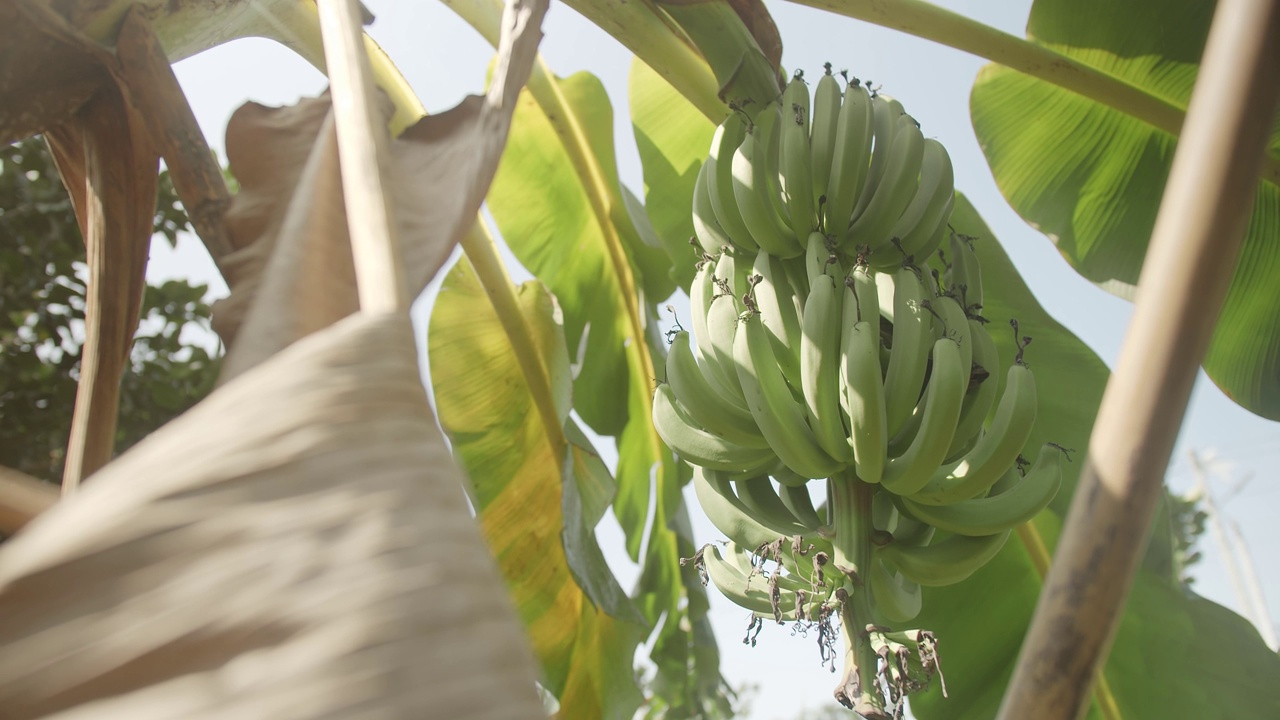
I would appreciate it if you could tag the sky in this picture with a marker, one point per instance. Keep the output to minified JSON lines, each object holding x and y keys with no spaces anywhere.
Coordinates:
{"x":444,"y":60}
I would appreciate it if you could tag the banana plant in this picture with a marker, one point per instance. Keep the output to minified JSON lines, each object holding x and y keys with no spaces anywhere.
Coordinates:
{"x":512,"y":366}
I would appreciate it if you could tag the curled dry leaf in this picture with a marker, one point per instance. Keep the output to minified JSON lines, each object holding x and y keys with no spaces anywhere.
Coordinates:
{"x":289,"y":213}
{"x":297,"y":545}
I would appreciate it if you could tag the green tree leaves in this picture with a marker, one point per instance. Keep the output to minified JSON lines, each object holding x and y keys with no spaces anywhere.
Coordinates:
{"x":1091,"y":175}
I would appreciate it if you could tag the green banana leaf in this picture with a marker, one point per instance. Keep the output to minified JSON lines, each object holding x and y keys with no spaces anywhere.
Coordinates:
{"x":562,"y":211}
{"x":1090,"y":176}
{"x":673,"y":138}
{"x":538,"y":496}
{"x":1175,"y":654}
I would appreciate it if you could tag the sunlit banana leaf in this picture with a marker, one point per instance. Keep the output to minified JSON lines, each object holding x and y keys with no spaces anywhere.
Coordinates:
{"x":1176,"y":654}
{"x":673,"y":138}
{"x":1091,"y":176}
{"x":561,"y":210}
{"x":538,"y":497}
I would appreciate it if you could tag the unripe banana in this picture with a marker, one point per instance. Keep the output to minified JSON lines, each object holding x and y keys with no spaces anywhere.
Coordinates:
{"x":745,"y":591}
{"x":758,"y":495}
{"x":951,"y":322}
{"x":774,"y":299}
{"x":820,"y":366}
{"x":970,"y":282}
{"x":983,"y":387}
{"x":909,"y":357}
{"x":798,"y":501}
{"x":711,"y":237}
{"x":695,"y":445}
{"x":781,"y":420}
{"x":795,"y":161}
{"x":820,"y":257}
{"x":894,"y":597}
{"x":946,"y":562}
{"x":863,"y":389}
{"x":728,"y":136}
{"x":885,"y":114}
{"x":822,"y":133}
{"x":907,"y":473}
{"x":850,"y":165}
{"x":702,"y":292}
{"x":930,"y":206}
{"x":722,"y":323}
{"x":754,"y":187}
{"x":997,"y":513}
{"x":996,"y":451}
{"x":866,"y":289}
{"x":723,"y":415}
{"x":897,"y":188}
{"x":727,"y":512}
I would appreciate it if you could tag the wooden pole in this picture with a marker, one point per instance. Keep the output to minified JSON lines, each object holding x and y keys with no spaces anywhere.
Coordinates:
{"x":1194,"y":248}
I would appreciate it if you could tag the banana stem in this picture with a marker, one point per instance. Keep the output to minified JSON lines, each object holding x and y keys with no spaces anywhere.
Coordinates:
{"x":857,"y":689}
{"x":850,"y":502}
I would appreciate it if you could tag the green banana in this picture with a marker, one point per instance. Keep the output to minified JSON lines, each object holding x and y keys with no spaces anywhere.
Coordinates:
{"x":885,"y":114}
{"x":849,"y":167}
{"x":946,"y":562}
{"x":998,"y":448}
{"x":909,"y":355}
{"x":912,"y":470}
{"x":722,"y":322}
{"x":754,"y":187}
{"x":822,"y":130}
{"x":862,"y":387}
{"x":820,"y":257}
{"x":780,"y":417}
{"x":970,"y":276}
{"x":955,"y":325}
{"x":896,"y":189}
{"x":727,"y":512}
{"x":894,"y":597}
{"x":702,"y":292}
{"x":742,"y":590}
{"x":980,"y":397}
{"x":706,"y":229}
{"x":728,"y":136}
{"x":697,"y":446}
{"x":723,"y":415}
{"x":758,"y":495}
{"x":795,"y":160}
{"x":773,"y":296}
{"x":865,"y":287}
{"x":820,"y":366}
{"x":931,"y":205}
{"x":796,"y":499}
{"x":997,"y":513}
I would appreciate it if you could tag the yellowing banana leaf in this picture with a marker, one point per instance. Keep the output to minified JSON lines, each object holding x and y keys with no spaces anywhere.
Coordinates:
{"x":1091,"y":176}
{"x":538,"y":496}
{"x":1175,"y":655}
{"x":562,"y":211}
{"x":673,"y":139}
{"x":296,"y":545}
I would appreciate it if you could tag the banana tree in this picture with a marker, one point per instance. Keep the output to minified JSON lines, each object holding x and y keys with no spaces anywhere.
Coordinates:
{"x":518,"y":371}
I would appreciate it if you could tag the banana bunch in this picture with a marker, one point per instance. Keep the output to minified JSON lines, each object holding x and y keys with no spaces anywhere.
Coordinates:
{"x":851,"y":165}
{"x":836,"y":345}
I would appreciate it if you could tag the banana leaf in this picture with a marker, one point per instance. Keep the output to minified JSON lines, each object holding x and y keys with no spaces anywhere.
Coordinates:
{"x":1090,"y":175}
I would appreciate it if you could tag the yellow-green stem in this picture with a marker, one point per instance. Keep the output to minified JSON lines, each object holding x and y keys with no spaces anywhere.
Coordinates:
{"x":481,"y":250}
{"x":928,"y":21}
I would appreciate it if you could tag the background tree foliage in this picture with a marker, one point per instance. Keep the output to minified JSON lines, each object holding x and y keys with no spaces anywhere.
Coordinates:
{"x":42,"y":322}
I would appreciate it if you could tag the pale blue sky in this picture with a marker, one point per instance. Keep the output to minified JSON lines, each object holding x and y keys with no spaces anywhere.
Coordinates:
{"x":444,"y":59}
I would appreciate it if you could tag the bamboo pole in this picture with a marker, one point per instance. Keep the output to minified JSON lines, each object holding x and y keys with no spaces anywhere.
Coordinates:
{"x":1194,"y":247}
